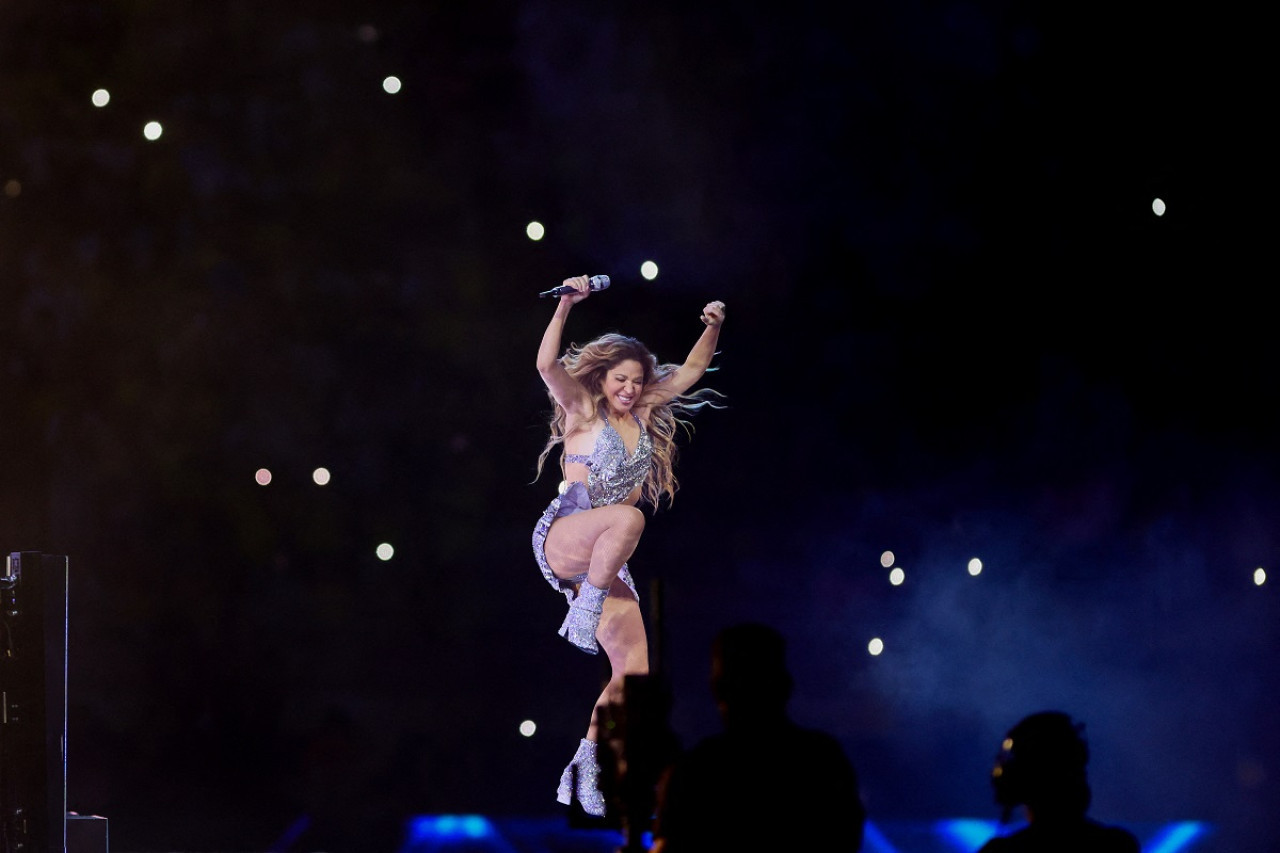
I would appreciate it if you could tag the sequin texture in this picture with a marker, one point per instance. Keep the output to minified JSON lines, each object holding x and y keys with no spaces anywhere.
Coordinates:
{"x":573,"y":499}
{"x":586,"y":768}
{"x":612,"y":473}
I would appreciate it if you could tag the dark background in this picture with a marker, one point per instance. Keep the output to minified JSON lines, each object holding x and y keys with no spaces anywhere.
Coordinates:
{"x":955,"y":328}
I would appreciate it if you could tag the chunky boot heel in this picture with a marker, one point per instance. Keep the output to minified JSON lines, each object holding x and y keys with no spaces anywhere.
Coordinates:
{"x":586,"y":769}
{"x":583,"y":618}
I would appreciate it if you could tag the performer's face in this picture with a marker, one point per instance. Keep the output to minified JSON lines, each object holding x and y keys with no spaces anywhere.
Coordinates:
{"x":623,"y":384}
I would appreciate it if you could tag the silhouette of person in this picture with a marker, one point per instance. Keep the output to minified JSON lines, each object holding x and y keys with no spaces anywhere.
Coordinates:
{"x":1041,"y":767}
{"x":763,"y":782}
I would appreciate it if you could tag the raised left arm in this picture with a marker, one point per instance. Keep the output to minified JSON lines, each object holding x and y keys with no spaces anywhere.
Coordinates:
{"x":698,"y":360}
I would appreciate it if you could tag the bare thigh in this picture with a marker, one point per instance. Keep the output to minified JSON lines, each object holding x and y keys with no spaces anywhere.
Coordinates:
{"x":572,"y":538}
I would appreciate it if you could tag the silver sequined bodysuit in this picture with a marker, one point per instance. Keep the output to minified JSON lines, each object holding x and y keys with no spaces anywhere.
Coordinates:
{"x":612,"y":474}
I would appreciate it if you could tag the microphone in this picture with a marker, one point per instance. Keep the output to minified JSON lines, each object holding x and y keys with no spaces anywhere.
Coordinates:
{"x":598,"y":282}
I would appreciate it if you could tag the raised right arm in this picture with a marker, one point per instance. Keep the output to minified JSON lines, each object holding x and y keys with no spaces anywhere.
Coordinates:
{"x":566,"y":390}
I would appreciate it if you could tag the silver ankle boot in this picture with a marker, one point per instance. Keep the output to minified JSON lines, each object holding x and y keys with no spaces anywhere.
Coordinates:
{"x":588,"y":792}
{"x":580,"y":624}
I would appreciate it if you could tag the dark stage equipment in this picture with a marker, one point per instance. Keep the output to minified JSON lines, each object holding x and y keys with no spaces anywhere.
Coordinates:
{"x":33,"y":703}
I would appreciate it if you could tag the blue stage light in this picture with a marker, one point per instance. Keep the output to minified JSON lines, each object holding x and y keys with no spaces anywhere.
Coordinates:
{"x":447,"y":827}
{"x":1176,"y":837}
{"x":967,"y":834}
{"x":873,"y":840}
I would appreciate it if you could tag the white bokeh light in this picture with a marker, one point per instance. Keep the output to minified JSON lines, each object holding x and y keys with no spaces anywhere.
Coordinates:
{"x":100,"y":97}
{"x":649,"y":270}
{"x":391,"y":84}
{"x":152,"y":130}
{"x":528,"y":728}
{"x":897,"y":576}
{"x":1259,"y":576}
{"x":385,"y":551}
{"x":886,"y":559}
{"x":321,"y":476}
{"x":876,"y":646}
{"x":975,"y":567}
{"x":262,"y":476}
{"x":535,"y":231}
{"x":1158,"y":207}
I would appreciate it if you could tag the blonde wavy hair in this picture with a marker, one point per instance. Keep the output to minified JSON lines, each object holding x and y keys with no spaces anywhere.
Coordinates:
{"x":589,"y":363}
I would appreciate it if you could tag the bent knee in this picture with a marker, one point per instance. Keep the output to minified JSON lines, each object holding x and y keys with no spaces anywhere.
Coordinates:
{"x":628,"y":520}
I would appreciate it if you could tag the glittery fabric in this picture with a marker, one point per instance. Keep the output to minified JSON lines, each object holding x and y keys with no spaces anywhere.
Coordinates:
{"x":612,"y":473}
{"x":588,"y":792}
{"x":574,"y":499}
{"x":583,"y":618}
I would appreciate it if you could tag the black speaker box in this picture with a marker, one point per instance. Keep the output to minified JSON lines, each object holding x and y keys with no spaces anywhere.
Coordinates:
{"x":33,"y":703}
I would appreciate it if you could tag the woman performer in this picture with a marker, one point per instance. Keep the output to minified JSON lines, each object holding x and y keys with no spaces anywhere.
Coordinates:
{"x":615,"y":416}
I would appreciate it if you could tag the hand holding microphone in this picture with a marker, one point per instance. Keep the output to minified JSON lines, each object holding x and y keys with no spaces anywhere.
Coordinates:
{"x":579,"y":284}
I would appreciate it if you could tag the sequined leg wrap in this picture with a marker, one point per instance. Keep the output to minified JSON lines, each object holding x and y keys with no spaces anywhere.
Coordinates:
{"x":583,"y":618}
{"x":588,"y":792}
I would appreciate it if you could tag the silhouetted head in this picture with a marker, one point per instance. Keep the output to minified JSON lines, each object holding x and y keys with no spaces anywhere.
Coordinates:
{"x":749,"y":675}
{"x":1041,"y":765}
